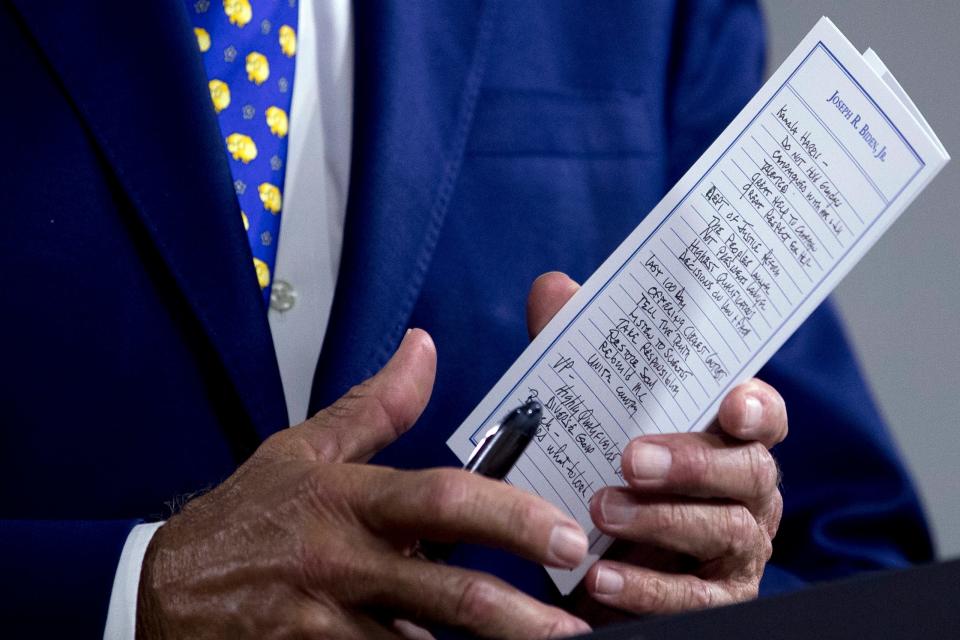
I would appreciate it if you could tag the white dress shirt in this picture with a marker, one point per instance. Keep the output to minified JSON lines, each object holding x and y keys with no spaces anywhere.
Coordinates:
{"x":311,"y":237}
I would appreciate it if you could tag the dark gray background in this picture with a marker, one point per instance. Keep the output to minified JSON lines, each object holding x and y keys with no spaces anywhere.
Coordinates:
{"x":902,"y":301}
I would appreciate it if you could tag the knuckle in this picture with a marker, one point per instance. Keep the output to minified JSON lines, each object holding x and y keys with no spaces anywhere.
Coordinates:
{"x":306,"y":556}
{"x":741,"y":530}
{"x":275,"y":442}
{"x":762,"y":469}
{"x":521,"y":518}
{"x":369,"y":405}
{"x":445,"y":493}
{"x":699,"y":462}
{"x":316,"y":482}
{"x":331,"y":446}
{"x":560,"y":627}
{"x":318,"y":625}
{"x":477,"y":601}
{"x":361,"y":407}
{"x":772,"y":521}
{"x":283,"y":444}
{"x":317,"y":565}
{"x":765,"y":551}
{"x":654,"y":595}
{"x":743,"y":590}
{"x":338,"y":565}
{"x":395,"y":397}
{"x":341,"y":408}
{"x":666,"y":517}
{"x":699,"y":594}
{"x":361,"y":403}
{"x":322,"y":496}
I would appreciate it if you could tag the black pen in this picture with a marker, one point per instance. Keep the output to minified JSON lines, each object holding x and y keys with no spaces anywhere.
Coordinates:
{"x":505,"y":442}
{"x":494,"y":457}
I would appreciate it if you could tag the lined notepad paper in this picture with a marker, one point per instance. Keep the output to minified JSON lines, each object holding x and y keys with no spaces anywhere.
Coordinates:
{"x":732,"y":260}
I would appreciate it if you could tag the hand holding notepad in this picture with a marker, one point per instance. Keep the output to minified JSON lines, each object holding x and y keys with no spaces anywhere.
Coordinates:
{"x":710,"y":284}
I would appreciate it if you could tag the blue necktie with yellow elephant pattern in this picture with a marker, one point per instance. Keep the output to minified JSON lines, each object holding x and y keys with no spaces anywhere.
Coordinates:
{"x":249,"y":48}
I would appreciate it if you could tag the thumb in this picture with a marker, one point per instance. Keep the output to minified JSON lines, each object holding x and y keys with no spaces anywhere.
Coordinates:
{"x":547,"y":295}
{"x":379,"y":410}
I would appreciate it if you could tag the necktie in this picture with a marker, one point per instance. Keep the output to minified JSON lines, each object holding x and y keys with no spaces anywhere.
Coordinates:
{"x":248,"y":49}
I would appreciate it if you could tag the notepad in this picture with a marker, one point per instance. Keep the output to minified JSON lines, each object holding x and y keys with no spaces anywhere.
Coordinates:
{"x":711,"y":283}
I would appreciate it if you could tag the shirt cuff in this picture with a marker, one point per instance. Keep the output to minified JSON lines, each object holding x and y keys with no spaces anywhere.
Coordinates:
{"x":122,"y":613}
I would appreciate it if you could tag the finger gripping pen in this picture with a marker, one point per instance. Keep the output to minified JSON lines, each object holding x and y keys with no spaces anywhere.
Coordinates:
{"x":494,"y":457}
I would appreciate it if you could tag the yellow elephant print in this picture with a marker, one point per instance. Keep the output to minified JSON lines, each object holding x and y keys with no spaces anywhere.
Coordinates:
{"x":203,"y":39}
{"x":238,"y":11}
{"x":288,"y":40}
{"x":270,"y":196}
{"x":220,"y":94}
{"x":263,"y":272}
{"x":241,"y":147}
{"x":258,"y":69}
{"x":246,"y":221}
{"x":277,"y":121}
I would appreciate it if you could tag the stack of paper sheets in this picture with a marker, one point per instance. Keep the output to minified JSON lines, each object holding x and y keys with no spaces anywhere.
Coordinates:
{"x":732,"y":260}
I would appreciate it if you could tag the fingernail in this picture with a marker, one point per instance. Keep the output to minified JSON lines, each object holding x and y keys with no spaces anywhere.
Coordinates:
{"x":752,"y":412}
{"x":609,"y":582}
{"x":615,"y":510}
{"x":650,"y":461}
{"x":568,"y":545}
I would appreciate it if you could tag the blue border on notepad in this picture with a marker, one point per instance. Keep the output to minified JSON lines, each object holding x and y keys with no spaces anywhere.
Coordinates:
{"x":818,"y":45}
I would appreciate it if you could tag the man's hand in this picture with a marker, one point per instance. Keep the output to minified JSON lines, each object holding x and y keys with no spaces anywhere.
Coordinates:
{"x":304,"y":540}
{"x":700,"y":509}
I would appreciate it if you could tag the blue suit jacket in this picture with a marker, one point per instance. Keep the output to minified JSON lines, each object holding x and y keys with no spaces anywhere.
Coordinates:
{"x":137,"y":361}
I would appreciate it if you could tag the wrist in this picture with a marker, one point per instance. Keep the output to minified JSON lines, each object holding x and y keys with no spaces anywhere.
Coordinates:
{"x":149,"y":618}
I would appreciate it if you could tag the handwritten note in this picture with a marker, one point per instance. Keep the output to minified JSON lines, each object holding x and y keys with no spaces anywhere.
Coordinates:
{"x":718,"y":275}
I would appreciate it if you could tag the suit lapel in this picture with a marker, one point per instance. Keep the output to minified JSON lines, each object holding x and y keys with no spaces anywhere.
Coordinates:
{"x":133,"y":72}
{"x":418,"y":72}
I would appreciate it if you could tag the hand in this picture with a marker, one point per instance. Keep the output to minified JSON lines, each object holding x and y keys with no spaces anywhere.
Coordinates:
{"x":699,"y":510}
{"x":305,"y":540}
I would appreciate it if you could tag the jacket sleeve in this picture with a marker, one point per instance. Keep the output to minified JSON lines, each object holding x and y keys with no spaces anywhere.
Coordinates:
{"x":56,"y":575}
{"x":848,"y":502}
